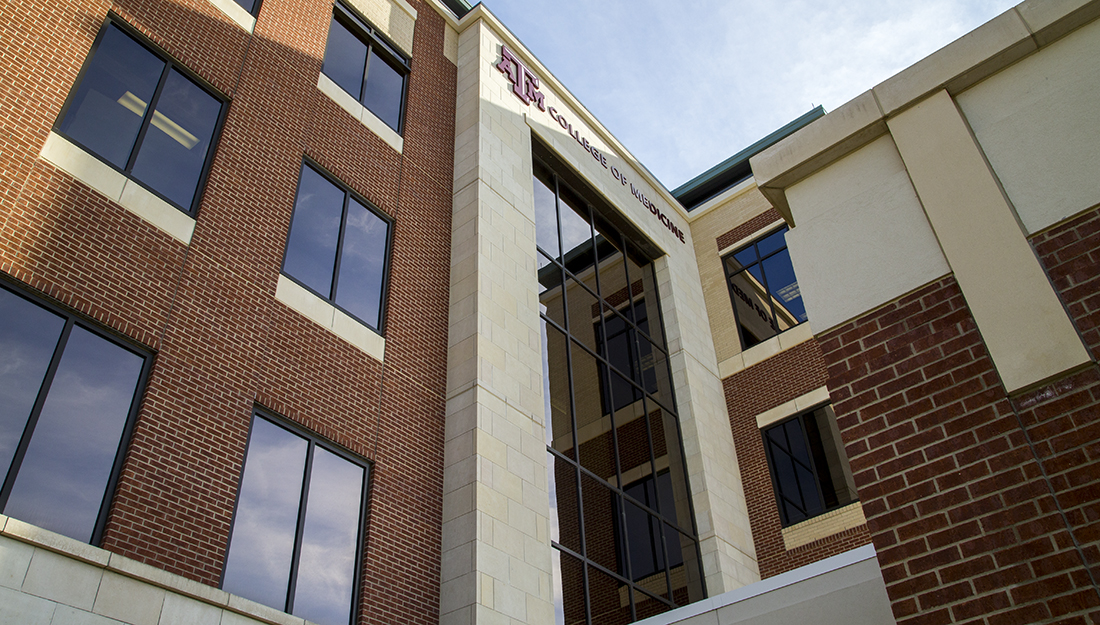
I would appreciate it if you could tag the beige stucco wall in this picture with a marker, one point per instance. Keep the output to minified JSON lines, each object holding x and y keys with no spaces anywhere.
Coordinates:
{"x":980,"y":144}
{"x":861,"y":238}
{"x":1036,"y":123}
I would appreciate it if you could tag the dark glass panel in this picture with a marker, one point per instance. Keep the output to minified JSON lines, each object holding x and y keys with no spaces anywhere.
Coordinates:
{"x":584,"y":307}
{"x":789,"y":309}
{"x":751,"y":306}
{"x":555,"y":385}
{"x":633,"y":438}
{"x":330,"y":535}
{"x":546,"y":215}
{"x":599,"y":522}
{"x":772,"y":242}
{"x":576,"y":233}
{"x":586,"y":391}
{"x":382,"y":95}
{"x":643,"y":535}
{"x":744,"y":258}
{"x":609,"y":599}
{"x":106,"y":112}
{"x":808,"y":485}
{"x":262,"y":543}
{"x":68,"y":464}
{"x":175,"y":147}
{"x":28,"y":337}
{"x":362,"y":264}
{"x":551,"y":298}
{"x":248,"y":5}
{"x":568,"y":589}
{"x":796,"y":443}
{"x":311,"y":248}
{"x":568,"y":508}
{"x":345,"y":59}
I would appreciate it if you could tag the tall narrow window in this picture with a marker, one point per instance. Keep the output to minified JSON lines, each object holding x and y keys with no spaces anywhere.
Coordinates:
{"x":338,"y":247}
{"x":145,"y":116}
{"x":68,"y":398}
{"x":625,"y":542}
{"x":359,"y":60}
{"x":298,"y":530}
{"x":763,"y":289}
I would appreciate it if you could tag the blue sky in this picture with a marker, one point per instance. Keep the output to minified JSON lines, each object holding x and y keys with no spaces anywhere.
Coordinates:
{"x":684,"y":85}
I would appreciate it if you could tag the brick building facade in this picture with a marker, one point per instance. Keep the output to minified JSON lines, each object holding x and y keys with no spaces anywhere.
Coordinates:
{"x":443,"y":351}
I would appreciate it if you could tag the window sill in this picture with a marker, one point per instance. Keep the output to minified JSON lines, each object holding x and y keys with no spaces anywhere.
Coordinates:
{"x":823,"y":525}
{"x":93,"y":172}
{"x":765,"y":350}
{"x":360,"y":112}
{"x":331,"y":318}
{"x":234,"y":12}
{"x":64,"y":571}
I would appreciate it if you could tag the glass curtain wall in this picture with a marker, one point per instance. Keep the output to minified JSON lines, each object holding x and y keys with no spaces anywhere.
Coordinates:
{"x":623,"y":531}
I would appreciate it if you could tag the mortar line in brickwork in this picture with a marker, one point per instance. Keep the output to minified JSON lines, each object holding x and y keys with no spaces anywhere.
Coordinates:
{"x":1054,"y":495}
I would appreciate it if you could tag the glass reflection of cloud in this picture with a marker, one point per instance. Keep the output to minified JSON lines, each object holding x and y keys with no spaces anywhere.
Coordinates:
{"x":71,"y":454}
{"x":327,"y":565}
{"x":262,"y":542}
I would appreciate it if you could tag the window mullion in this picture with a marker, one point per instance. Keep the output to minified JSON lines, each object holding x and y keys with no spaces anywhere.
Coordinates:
{"x":339,"y":249}
{"x":300,"y":530}
{"x":366,"y":72}
{"x":36,"y":411}
{"x":149,"y":108}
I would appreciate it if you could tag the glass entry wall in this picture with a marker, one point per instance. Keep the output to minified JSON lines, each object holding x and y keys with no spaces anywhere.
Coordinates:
{"x":622,"y":525}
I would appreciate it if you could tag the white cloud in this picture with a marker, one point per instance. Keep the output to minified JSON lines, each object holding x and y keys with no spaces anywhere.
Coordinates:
{"x":684,"y":89}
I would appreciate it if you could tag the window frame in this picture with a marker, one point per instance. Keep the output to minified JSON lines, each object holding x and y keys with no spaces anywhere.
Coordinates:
{"x":349,"y":193}
{"x":72,"y":319}
{"x":170,"y":63}
{"x":312,"y":440}
{"x":360,"y":28}
{"x":814,"y":469}
{"x":760,"y":236}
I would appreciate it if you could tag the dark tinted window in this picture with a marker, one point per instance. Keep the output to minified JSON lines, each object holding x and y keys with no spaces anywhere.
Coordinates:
{"x":252,"y":6}
{"x":67,"y":398}
{"x":809,"y":469}
{"x":763,"y":289}
{"x":338,"y":246}
{"x":303,"y":560}
{"x":144,"y":116}
{"x":378,"y":84}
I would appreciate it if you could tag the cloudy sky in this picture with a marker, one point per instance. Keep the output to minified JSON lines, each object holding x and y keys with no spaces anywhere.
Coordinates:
{"x":685,"y":85}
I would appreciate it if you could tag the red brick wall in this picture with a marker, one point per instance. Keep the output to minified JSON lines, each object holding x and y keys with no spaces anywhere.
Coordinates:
{"x":223,"y":343}
{"x":761,"y":221}
{"x":762,"y":387}
{"x":1070,"y":253}
{"x":982,"y":509}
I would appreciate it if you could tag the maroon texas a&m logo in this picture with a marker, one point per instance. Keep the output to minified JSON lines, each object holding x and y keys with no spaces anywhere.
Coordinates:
{"x":524,"y":83}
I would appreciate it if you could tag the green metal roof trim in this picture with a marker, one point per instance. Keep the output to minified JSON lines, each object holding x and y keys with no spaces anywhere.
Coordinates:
{"x":459,"y":7}
{"x":735,"y":168}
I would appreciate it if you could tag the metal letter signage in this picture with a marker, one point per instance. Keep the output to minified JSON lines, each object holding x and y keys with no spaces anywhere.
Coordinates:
{"x":525,"y":84}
